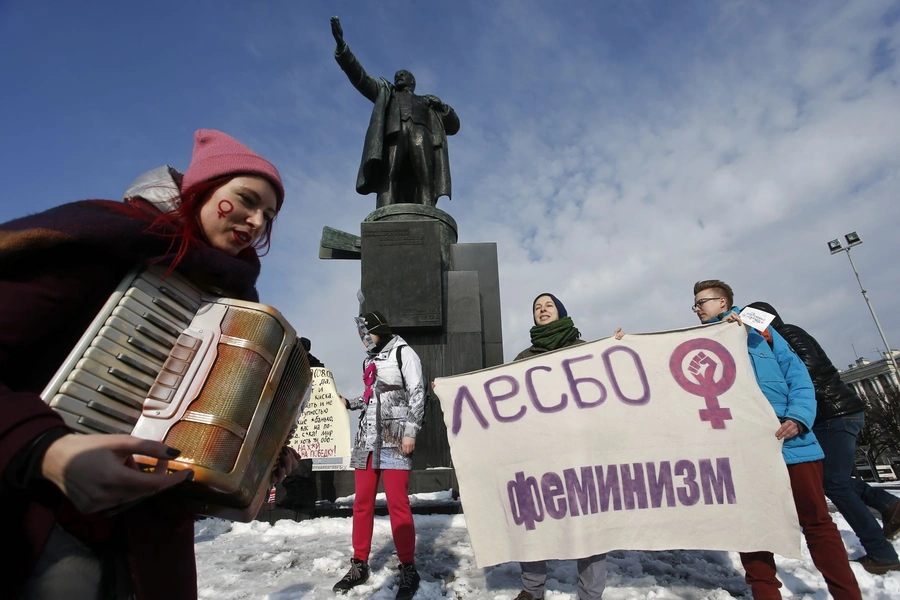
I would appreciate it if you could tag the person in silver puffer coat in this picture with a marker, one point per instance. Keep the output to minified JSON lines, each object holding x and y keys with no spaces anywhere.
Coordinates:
{"x":392,"y":416}
{"x":393,"y":406}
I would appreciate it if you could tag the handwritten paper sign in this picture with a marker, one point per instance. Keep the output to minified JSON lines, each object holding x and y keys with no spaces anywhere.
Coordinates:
{"x":659,"y":441}
{"x":758,"y":319}
{"x":323,"y":431}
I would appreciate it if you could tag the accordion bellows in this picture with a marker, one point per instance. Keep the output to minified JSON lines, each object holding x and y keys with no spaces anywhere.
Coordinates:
{"x":221,"y":380}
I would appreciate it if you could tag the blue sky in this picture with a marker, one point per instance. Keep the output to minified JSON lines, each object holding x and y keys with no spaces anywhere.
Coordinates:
{"x":616,"y":151}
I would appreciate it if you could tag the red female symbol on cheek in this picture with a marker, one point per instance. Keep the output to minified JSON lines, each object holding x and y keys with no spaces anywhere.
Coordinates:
{"x":225,"y":208}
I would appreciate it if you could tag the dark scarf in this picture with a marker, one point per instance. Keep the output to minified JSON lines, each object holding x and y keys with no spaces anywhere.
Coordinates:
{"x":122,"y":231}
{"x":553,"y":335}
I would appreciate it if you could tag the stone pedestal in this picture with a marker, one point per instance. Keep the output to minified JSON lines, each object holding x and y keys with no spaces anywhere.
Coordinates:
{"x":402,"y":270}
{"x":442,"y":297}
{"x":407,"y":213}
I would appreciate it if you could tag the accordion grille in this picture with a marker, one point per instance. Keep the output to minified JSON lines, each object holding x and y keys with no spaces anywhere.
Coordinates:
{"x":256,"y":326}
{"x":211,"y":446}
{"x":237,"y":375}
{"x":296,"y":379}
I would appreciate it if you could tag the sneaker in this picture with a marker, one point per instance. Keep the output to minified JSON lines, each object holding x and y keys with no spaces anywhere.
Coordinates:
{"x":409,"y":581}
{"x":523,"y":595}
{"x":357,"y":575}
{"x":891,"y":520}
{"x":877,"y":567}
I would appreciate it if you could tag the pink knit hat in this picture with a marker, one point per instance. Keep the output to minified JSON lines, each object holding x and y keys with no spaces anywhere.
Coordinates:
{"x":217,"y":154}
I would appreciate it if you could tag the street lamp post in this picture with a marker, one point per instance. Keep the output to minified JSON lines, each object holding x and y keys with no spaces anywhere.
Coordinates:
{"x":853,"y":240}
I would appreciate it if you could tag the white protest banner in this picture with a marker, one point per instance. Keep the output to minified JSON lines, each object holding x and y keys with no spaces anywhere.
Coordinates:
{"x":758,"y":319}
{"x":659,"y":441}
{"x":323,"y":431}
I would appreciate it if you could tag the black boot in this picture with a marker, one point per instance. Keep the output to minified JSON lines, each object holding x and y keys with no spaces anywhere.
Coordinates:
{"x":409,"y":581}
{"x":357,"y":575}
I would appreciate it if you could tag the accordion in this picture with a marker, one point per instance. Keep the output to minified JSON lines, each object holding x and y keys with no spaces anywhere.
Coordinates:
{"x":221,"y":380}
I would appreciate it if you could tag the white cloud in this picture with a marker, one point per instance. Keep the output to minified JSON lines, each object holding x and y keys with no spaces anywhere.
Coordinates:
{"x":615,"y":152}
{"x":616,"y":180}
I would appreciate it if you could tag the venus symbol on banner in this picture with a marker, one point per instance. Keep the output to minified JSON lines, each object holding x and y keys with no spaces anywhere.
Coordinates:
{"x":694,"y":366}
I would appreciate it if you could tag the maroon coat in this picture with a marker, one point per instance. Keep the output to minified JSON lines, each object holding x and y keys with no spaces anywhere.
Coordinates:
{"x":56,"y":271}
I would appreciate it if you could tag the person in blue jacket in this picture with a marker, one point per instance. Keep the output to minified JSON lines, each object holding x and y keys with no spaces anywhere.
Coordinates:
{"x":786,"y":384}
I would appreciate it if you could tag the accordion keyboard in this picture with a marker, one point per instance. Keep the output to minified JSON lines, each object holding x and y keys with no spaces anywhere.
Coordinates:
{"x":102,"y":386}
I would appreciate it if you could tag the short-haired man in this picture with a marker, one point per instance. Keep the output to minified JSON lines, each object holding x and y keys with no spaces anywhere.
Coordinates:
{"x":785,"y":382}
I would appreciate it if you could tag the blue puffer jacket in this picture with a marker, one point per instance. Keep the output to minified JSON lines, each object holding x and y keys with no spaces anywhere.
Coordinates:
{"x":785,"y":382}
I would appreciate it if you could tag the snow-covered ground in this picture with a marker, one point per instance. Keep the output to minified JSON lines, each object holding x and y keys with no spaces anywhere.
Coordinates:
{"x":291,"y":560}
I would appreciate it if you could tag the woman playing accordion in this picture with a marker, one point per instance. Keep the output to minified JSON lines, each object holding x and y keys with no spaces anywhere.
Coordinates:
{"x":79,"y":518}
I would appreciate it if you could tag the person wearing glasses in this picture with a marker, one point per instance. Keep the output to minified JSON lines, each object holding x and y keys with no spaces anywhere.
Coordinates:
{"x":786,"y":384}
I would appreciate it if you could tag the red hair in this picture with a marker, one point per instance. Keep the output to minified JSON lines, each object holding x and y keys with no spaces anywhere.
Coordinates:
{"x":182,"y":223}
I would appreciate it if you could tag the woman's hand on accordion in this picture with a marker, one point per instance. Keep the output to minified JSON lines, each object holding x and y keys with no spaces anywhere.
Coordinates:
{"x":98,"y":472}
{"x":288,"y":460}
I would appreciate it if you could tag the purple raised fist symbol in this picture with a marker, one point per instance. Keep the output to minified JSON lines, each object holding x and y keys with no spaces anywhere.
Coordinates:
{"x":702,"y":366}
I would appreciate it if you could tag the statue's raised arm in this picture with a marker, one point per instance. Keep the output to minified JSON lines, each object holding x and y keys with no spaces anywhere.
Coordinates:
{"x":361,"y":80}
{"x":405,"y":159}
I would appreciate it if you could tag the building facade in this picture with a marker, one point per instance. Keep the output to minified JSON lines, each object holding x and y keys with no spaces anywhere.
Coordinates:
{"x":872,"y":378}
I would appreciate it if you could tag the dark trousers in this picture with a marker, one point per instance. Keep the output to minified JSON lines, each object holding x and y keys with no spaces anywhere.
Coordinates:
{"x":838,"y":439}
{"x":822,"y":538}
{"x":591,"y":577}
{"x":876,"y":498}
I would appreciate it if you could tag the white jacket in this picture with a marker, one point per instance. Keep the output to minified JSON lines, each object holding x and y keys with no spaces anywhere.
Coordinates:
{"x":394,"y":411}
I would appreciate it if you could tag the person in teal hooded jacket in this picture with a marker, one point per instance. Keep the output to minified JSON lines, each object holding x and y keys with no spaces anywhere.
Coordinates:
{"x":785,"y":382}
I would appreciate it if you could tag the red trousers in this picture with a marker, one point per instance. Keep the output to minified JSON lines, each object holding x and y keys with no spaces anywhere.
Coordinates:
{"x":822,"y":538}
{"x":396,"y":484}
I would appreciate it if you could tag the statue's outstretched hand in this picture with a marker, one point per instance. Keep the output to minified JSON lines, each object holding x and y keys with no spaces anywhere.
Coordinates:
{"x":337,"y":31}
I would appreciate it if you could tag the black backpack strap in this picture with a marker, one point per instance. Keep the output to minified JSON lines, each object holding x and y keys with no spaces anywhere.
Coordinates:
{"x":400,"y":365}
